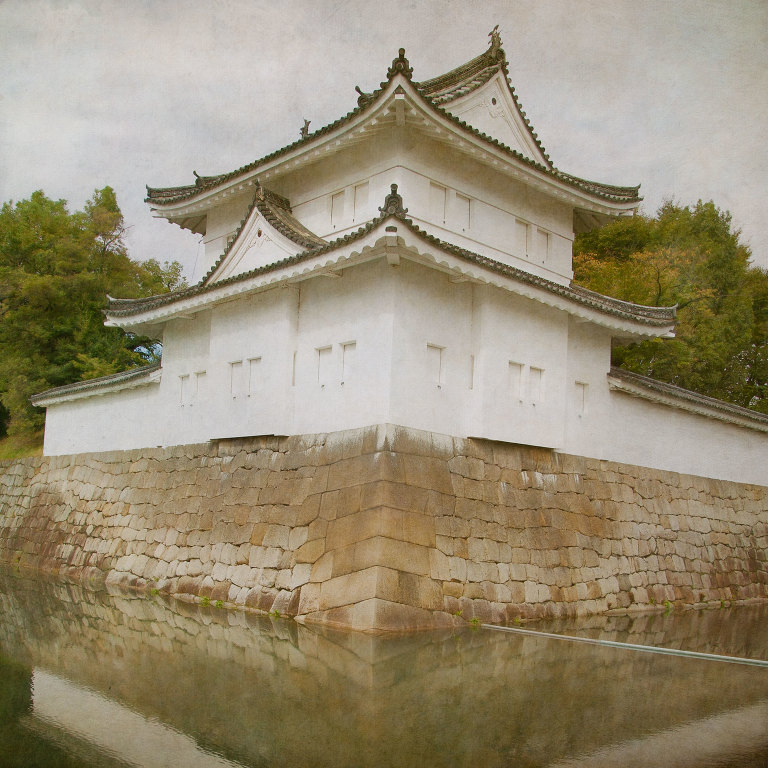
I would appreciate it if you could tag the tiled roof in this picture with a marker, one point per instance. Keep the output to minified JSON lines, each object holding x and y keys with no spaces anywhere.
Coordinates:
{"x":661,"y":391}
{"x":132,"y":375}
{"x":277,"y":211}
{"x":435,"y":92}
{"x":651,"y":316}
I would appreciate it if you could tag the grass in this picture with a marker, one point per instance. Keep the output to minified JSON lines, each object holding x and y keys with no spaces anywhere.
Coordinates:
{"x":21,"y":446}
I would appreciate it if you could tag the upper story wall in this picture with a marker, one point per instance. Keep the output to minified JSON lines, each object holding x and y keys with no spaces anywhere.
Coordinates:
{"x":447,"y":193}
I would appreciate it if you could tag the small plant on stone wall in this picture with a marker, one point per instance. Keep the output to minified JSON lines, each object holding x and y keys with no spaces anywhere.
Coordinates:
{"x":154,"y":591}
{"x":668,"y":607}
{"x":219,"y":604}
{"x":474,"y":623}
{"x":206,"y":601}
{"x":275,"y":614}
{"x":458,"y":613}
{"x":517,"y":621}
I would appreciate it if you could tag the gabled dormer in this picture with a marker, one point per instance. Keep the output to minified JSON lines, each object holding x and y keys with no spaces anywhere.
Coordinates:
{"x":269,"y":233}
{"x":479,"y":93}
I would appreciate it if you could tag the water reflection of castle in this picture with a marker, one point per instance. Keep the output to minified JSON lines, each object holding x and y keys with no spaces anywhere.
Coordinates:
{"x":115,"y":679}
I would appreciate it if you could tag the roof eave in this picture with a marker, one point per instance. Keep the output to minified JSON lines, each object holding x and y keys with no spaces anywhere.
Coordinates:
{"x":623,"y":319}
{"x":324,"y":140}
{"x":686,"y":400}
{"x":104,"y":385}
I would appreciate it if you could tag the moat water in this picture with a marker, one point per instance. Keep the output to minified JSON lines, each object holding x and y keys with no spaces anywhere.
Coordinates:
{"x":90,"y":678}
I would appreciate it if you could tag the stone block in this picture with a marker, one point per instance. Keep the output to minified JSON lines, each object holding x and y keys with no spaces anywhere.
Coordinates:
{"x":379,"y":550}
{"x":300,"y":575}
{"x":439,"y":567}
{"x":453,"y":589}
{"x":310,"y":551}
{"x":309,"y":599}
{"x":297,"y":537}
{"x":349,"y":588}
{"x":276,"y":536}
{"x":322,"y":568}
{"x":392,"y":523}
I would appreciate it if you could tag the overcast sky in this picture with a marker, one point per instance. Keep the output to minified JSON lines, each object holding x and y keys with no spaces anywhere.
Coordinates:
{"x":670,"y":95}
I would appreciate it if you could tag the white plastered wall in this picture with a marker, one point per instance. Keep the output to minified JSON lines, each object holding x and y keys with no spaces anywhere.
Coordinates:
{"x":403,"y":345}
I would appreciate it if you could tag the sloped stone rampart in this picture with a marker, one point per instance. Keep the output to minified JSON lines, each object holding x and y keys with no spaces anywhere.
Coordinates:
{"x":385,"y":528}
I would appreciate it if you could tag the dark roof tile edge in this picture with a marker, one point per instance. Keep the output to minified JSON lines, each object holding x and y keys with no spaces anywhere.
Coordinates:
{"x":261,"y":201}
{"x":88,"y":384}
{"x":687,"y":395}
{"x":653,"y":316}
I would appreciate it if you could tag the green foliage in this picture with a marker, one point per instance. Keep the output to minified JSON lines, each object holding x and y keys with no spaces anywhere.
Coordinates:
{"x":56,"y":269}
{"x":690,"y":257}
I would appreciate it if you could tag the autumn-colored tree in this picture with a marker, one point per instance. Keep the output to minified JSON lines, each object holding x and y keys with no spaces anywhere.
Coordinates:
{"x":56,"y":269}
{"x":690,"y":257}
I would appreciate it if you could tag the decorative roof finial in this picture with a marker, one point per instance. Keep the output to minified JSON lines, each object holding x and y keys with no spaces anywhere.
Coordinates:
{"x":363,"y":97}
{"x":400,"y":64}
{"x":393,"y":204}
{"x":305,"y":128}
{"x":495,"y":48}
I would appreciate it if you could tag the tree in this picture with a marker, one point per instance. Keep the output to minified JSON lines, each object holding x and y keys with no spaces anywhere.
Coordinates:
{"x":690,"y":257}
{"x":56,"y":269}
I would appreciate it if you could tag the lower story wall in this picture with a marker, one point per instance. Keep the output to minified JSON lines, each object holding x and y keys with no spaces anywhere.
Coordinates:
{"x":386,"y":528}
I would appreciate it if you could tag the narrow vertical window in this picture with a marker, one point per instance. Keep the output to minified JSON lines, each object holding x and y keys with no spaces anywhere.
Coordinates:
{"x":581,"y":398}
{"x":337,"y":208}
{"x":323,"y":365}
{"x":348,"y":351}
{"x":515,"y":379}
{"x":536,"y":384}
{"x":254,"y":376}
{"x":438,"y":196}
{"x":236,"y":378}
{"x":471,"y":372}
{"x":462,"y":212}
{"x":435,"y":364}
{"x":293,"y":370}
{"x":183,"y":389}
{"x":198,"y":387}
{"x":361,"y":201}
{"x":521,"y":237}
{"x":542,"y":245}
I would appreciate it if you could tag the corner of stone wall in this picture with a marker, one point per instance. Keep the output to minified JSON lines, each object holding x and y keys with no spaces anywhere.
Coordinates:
{"x":387,"y":528}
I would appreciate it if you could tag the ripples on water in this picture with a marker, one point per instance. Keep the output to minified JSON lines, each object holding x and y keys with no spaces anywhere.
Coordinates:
{"x":89,"y":678}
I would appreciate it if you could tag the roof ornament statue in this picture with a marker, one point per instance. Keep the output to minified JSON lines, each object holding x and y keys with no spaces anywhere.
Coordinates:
{"x":495,"y":50}
{"x":401,"y":65}
{"x":305,"y":128}
{"x":393,"y":204}
{"x":362,"y":97}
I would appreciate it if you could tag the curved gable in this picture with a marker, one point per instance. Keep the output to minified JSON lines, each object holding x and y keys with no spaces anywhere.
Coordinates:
{"x":269,"y":233}
{"x":492,"y":110}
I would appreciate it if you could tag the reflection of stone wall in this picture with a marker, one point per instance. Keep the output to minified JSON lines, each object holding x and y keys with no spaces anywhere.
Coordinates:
{"x":270,"y":692}
{"x":387,"y":528}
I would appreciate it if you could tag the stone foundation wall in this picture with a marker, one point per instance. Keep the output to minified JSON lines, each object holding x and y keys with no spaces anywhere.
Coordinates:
{"x":386,"y":528}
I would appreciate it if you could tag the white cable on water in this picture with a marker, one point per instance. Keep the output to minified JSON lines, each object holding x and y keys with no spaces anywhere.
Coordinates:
{"x":631,"y":646}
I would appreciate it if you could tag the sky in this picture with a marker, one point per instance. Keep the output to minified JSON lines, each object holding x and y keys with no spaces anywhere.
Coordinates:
{"x":669,"y":95}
